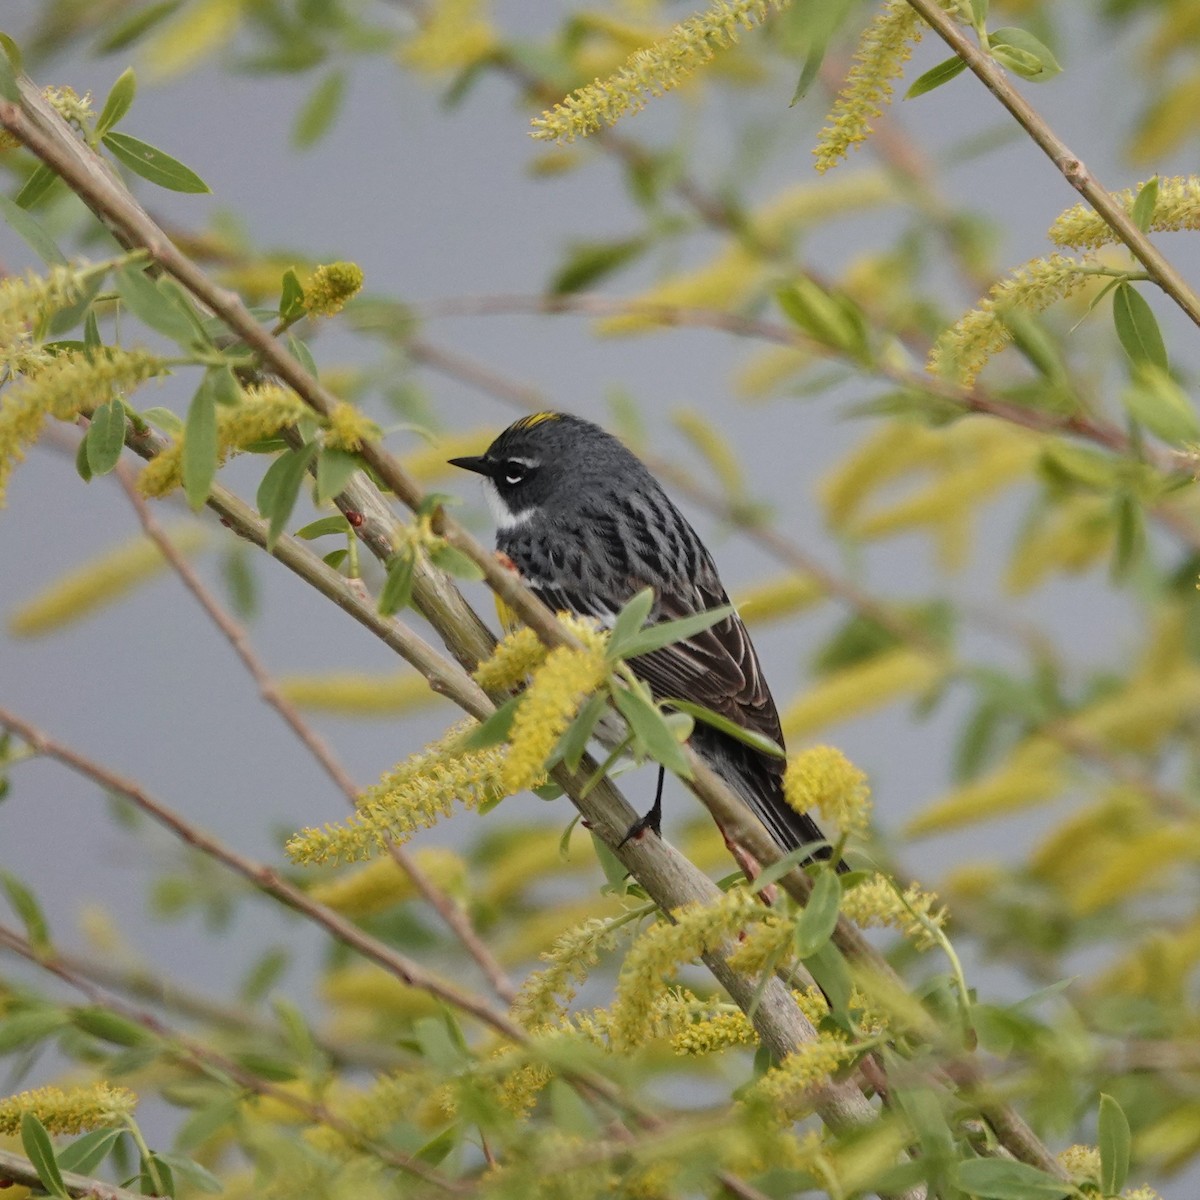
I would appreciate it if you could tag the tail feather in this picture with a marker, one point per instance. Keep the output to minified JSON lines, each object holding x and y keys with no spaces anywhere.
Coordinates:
{"x":759,"y":781}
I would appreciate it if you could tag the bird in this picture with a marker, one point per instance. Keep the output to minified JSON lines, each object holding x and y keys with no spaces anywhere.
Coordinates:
{"x":587,"y":526}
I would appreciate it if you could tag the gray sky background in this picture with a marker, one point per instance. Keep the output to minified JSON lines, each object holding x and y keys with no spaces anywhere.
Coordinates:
{"x":432,"y":206}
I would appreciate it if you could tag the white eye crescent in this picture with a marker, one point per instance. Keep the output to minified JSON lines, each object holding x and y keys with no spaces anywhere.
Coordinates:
{"x":514,"y":473}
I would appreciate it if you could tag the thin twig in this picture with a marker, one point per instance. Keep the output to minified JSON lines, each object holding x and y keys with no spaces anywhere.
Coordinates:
{"x":444,"y":905}
{"x":207,"y":1059}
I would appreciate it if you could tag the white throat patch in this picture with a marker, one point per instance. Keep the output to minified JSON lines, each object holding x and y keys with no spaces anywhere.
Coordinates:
{"x":504,"y":519}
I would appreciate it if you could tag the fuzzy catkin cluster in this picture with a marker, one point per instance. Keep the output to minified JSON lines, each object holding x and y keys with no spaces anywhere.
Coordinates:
{"x":653,"y":70}
{"x":68,"y":1110}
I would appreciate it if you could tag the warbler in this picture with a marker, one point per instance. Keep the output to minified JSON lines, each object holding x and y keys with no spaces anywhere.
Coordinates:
{"x":587,"y":526}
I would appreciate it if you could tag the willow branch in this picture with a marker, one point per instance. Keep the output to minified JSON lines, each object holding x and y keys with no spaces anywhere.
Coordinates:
{"x":1071,"y":166}
{"x":14,"y":1168}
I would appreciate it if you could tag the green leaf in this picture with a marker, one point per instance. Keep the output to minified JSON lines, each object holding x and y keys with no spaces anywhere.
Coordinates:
{"x":280,"y":488}
{"x":589,"y":262}
{"x":1006,"y":1179}
{"x":153,"y":164}
{"x":823,"y":317}
{"x":86,"y":1153}
{"x":291,"y":296}
{"x":264,"y":975}
{"x":159,"y":309}
{"x":320,"y":110}
{"x":40,"y":181}
{"x":496,"y":728}
{"x":325,"y":525}
{"x":118,"y":103}
{"x":82,"y":466}
{"x":1021,"y":52}
{"x":454,"y":562}
{"x":1131,"y":534}
{"x":1137,"y":328}
{"x":749,"y":737}
{"x":663,"y":634}
{"x":10,"y":65}
{"x":25,"y":905}
{"x":817,"y":921}
{"x":630,"y":621}
{"x":334,"y":469}
{"x":109,"y":1026}
{"x":105,"y":438}
{"x":303,"y":355}
{"x":936,"y":76}
{"x":1114,"y":1140}
{"x":828,"y":968}
{"x":574,"y":742}
{"x":1155,"y":400}
{"x":200,"y":445}
{"x":40,"y":1152}
{"x":128,"y":31}
{"x":164,"y":419}
{"x":216,"y":1118}
{"x":1144,"y":204}
{"x":200,"y":1178}
{"x":30,"y":1027}
{"x":398,"y":586}
{"x":29,"y":229}
{"x":335,"y":558}
{"x":652,"y":731}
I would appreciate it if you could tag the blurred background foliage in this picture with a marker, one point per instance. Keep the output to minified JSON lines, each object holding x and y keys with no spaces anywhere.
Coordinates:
{"x":1014,"y":560}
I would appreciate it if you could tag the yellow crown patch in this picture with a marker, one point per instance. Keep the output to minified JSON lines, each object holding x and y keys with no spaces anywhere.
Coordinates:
{"x":535,"y":419}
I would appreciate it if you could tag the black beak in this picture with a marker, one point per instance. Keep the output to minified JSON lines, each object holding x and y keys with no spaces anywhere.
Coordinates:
{"x":473,"y":462}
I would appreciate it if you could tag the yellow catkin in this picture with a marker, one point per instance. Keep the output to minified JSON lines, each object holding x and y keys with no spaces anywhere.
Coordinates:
{"x":66,"y":385}
{"x":824,"y":779}
{"x":557,"y":691}
{"x":348,"y":428}
{"x":454,"y":35}
{"x":358,"y":694}
{"x":861,"y":688}
{"x":25,"y":300}
{"x":380,"y":885}
{"x":966,"y":347}
{"x":778,"y":598}
{"x":1034,"y":772}
{"x":1176,"y":207}
{"x":652,"y":70}
{"x":263,"y":412}
{"x":884,"y":47}
{"x":1136,"y":864}
{"x":545,"y":995}
{"x":876,"y":902}
{"x":415,"y":795}
{"x":68,"y":1110}
{"x":99,"y":582}
{"x":788,"y":1091}
{"x":514,"y":658}
{"x":664,"y":947}
{"x":330,"y":287}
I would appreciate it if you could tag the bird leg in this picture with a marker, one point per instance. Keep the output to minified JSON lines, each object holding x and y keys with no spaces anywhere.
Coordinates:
{"x":652,"y":820}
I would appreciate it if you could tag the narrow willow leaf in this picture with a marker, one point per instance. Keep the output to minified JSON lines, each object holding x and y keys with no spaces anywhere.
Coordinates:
{"x":36,"y":186}
{"x":817,"y":921}
{"x":153,"y":164}
{"x":657,"y":636}
{"x":26,"y":906}
{"x":1005,"y":1179}
{"x":829,"y":969}
{"x":454,"y":562}
{"x":1137,"y":328}
{"x":40,"y":1152}
{"x":105,"y":438}
{"x":750,"y":737}
{"x":334,"y":469}
{"x":86,"y":1153}
{"x":186,"y":1169}
{"x":82,"y":466}
{"x":630,"y":621}
{"x":1130,"y":534}
{"x":588,"y":263}
{"x":157,"y":309}
{"x":945,"y":71}
{"x":1155,"y":400}
{"x":320,"y":110}
{"x":280,"y":488}
{"x":132,"y":28}
{"x":9,"y":66}
{"x":653,"y":732}
{"x":303,"y":355}
{"x":1145,"y":203}
{"x":324,"y":526}
{"x":118,"y":102}
{"x":1114,"y":1138}
{"x":291,"y":297}
{"x":398,"y":587}
{"x":29,"y":229}
{"x":574,"y":742}
{"x":200,"y":446}
{"x":109,"y":1026}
